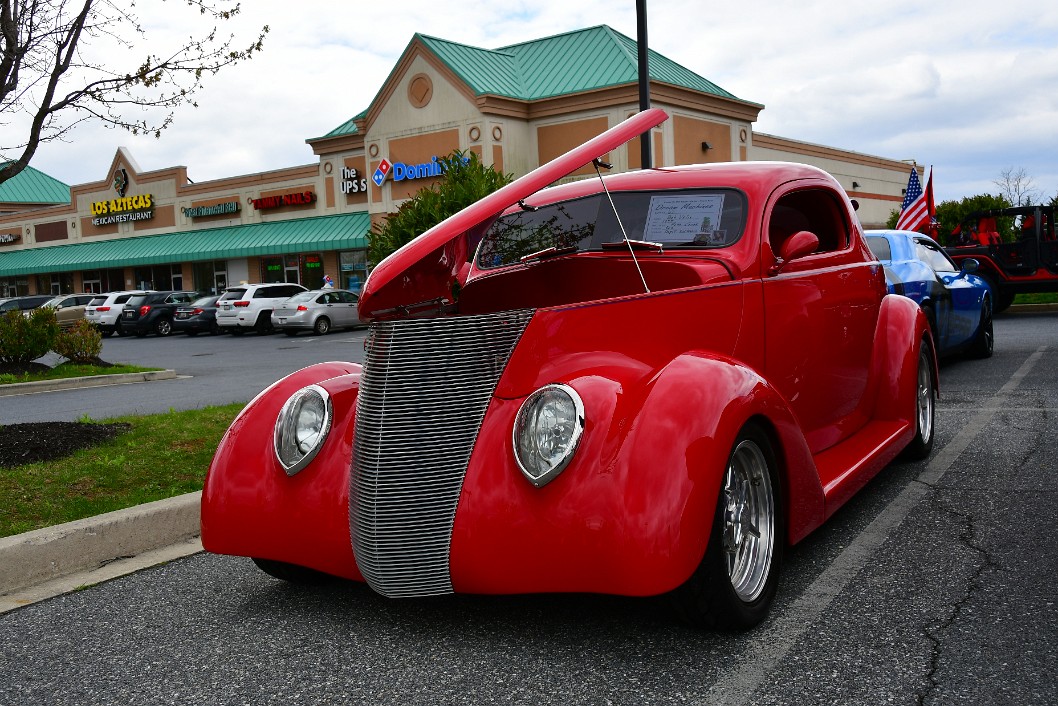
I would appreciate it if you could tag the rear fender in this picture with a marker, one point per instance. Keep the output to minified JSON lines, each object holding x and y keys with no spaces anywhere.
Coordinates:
{"x":250,"y":507}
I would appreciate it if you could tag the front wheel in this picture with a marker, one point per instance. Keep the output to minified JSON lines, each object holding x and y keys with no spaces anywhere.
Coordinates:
{"x":736,"y":581}
{"x":925,"y":407}
{"x":164,"y":327}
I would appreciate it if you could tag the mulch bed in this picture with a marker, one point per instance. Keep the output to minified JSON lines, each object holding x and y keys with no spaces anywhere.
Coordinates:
{"x":46,"y":441}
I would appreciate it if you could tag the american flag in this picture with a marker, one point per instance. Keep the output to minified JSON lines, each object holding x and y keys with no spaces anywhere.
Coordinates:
{"x":917,"y":210}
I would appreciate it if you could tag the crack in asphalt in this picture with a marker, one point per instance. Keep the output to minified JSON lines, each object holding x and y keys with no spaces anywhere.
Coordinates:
{"x":968,"y":537}
{"x":773,"y":641}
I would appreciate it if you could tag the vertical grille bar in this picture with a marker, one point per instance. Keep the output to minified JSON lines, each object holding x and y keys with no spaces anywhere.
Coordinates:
{"x":425,"y":386}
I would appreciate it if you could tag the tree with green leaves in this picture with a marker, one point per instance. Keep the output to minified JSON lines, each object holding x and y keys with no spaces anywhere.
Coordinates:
{"x":63,"y":62}
{"x":466,"y":180}
{"x":953,"y":213}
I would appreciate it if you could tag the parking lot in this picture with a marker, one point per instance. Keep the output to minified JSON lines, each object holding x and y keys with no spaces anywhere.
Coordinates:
{"x":934,"y":585}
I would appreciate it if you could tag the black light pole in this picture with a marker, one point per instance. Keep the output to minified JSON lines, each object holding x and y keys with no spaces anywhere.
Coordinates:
{"x":644,"y":80}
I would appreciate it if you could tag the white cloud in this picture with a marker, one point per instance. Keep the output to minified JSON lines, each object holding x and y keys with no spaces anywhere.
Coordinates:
{"x":964,"y":86}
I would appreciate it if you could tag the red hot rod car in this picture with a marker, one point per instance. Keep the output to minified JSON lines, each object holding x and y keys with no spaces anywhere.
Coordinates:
{"x":640,"y":384}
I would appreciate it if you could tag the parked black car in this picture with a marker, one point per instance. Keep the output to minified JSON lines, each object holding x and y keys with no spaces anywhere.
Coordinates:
{"x":200,"y":316}
{"x":25,"y":302}
{"x":152,"y":312}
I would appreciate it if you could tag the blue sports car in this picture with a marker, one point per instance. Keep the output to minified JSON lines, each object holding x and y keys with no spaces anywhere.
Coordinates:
{"x":957,"y":303}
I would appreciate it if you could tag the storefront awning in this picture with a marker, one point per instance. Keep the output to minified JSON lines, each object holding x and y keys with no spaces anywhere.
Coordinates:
{"x":343,"y":232}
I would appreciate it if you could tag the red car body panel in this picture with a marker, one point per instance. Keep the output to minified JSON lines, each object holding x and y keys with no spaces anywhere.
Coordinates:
{"x":812,"y":350}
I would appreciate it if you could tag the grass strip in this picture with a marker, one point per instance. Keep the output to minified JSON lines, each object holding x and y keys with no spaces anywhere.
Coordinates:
{"x":161,"y":456}
{"x":71,"y":370}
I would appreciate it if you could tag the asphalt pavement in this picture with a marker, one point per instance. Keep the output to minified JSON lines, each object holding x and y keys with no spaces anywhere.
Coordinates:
{"x":935,"y":585}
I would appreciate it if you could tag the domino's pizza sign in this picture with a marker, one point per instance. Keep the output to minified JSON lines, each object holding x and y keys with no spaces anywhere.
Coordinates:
{"x":401,"y":171}
{"x":381,"y":172}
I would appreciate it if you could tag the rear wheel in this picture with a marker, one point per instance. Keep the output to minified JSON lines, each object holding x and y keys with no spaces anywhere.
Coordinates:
{"x":322,"y":326}
{"x":106,"y":332}
{"x":264,"y":323}
{"x":292,"y":572}
{"x":735,"y":583}
{"x":925,"y":403}
{"x":985,"y":339}
{"x":291,"y":332}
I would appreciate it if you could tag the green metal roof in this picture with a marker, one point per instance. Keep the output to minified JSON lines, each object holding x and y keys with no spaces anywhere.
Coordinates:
{"x":574,"y":62}
{"x":33,"y":186}
{"x":565,"y":64}
{"x":324,"y":233}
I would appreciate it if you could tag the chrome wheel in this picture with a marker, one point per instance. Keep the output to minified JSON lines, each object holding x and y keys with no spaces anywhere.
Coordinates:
{"x":925,"y":399}
{"x":749,"y":521}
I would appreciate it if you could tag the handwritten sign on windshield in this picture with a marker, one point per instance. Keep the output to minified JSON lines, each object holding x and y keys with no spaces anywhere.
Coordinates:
{"x":684,"y":219}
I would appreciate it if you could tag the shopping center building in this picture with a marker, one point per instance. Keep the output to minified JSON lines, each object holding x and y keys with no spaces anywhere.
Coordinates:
{"x":516,"y":107}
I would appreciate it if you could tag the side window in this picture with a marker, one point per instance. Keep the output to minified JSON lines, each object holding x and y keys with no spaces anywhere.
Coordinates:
{"x":266,"y":293}
{"x":814,"y":210}
{"x":933,"y":257}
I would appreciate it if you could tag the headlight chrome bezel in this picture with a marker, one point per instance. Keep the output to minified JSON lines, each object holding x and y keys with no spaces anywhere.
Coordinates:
{"x":286,"y":429}
{"x":533,"y":472}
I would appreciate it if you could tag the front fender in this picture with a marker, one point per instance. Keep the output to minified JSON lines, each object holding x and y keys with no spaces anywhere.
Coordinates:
{"x":250,"y":507}
{"x":632,"y":512}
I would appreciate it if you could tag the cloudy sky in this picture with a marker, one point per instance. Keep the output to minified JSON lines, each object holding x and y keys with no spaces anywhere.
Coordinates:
{"x":968,"y":86}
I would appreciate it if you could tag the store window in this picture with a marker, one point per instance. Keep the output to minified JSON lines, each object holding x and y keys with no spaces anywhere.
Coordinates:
{"x":271,"y":269}
{"x":59,"y":283}
{"x":312,"y":271}
{"x":210,"y":276}
{"x":14,"y":286}
{"x":159,"y":277}
{"x":353,"y":264}
{"x":91,"y":282}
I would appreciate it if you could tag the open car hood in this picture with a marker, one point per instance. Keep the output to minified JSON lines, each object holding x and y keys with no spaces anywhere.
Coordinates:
{"x":421,"y":273}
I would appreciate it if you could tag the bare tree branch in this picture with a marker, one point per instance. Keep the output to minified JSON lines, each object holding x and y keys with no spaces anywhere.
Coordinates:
{"x":1017,"y":187}
{"x":49,"y":73}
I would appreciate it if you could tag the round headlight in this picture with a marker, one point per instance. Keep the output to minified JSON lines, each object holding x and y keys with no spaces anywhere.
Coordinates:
{"x":302,"y":427}
{"x":546,"y":432}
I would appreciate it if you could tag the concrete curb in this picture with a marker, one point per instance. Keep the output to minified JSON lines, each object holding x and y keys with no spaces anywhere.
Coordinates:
{"x":52,"y":552}
{"x":1031,"y":308}
{"x":23,"y":388}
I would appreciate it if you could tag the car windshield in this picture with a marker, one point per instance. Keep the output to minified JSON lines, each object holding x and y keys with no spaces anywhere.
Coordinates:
{"x":136,"y":300}
{"x":232,"y":294}
{"x":699,"y":218}
{"x":97,"y":301}
{"x":204,"y":301}
{"x":304,"y":296}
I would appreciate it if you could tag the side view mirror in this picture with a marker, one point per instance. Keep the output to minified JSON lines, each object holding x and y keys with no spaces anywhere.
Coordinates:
{"x":798,"y":245}
{"x":969,"y":266}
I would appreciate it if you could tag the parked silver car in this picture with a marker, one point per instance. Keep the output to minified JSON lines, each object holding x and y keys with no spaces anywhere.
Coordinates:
{"x":317,"y":310}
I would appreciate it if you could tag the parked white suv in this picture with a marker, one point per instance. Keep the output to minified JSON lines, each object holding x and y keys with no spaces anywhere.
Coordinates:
{"x":249,"y":306}
{"x":104,"y":312}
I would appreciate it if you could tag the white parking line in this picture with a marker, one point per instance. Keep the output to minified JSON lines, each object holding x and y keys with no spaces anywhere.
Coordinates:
{"x":771,"y":642}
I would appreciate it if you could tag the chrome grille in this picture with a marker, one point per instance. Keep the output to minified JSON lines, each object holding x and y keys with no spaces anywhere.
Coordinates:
{"x":423,"y":393}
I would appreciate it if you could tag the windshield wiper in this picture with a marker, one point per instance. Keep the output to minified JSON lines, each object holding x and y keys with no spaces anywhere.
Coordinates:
{"x":634,"y":245}
{"x":549,"y":252}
